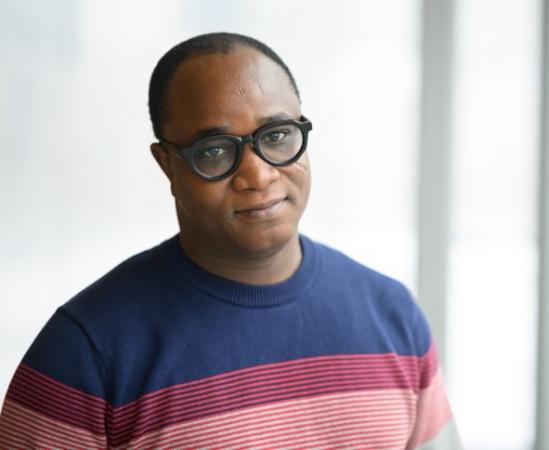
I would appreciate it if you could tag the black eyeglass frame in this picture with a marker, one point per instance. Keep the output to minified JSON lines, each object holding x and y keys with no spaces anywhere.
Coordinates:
{"x":187,"y":153}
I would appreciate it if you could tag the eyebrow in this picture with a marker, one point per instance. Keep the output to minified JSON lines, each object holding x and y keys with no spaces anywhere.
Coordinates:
{"x":224,"y":129}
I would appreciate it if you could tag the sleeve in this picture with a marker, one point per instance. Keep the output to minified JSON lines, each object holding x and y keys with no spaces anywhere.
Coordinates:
{"x":57,"y":397}
{"x":434,"y":427}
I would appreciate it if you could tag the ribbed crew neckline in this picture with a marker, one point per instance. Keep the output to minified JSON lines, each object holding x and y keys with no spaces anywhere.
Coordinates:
{"x":246,"y":295}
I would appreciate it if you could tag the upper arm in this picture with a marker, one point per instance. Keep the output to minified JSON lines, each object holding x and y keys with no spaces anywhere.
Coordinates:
{"x":58,"y":393}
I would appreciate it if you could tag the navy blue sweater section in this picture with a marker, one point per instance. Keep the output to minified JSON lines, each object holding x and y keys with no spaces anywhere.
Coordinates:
{"x":158,"y":320}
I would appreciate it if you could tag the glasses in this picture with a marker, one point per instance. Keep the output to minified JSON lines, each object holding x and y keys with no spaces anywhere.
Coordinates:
{"x":279,"y":143}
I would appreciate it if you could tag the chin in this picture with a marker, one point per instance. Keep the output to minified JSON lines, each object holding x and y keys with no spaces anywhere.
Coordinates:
{"x":265,"y":241}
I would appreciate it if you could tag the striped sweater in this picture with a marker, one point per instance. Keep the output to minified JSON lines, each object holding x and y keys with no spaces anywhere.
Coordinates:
{"x":160,"y":353}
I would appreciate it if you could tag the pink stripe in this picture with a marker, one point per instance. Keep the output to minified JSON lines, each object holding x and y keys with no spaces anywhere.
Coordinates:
{"x":177,"y":413}
{"x":433,"y":412}
{"x":22,"y":418}
{"x":341,"y":437}
{"x":55,"y":411}
{"x":15,"y":439}
{"x":391,"y":421}
{"x":287,"y":414}
{"x":367,"y":399}
{"x":23,"y":428}
{"x":297,"y":437}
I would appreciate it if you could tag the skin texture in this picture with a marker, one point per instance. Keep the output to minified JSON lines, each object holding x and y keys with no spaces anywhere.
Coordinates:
{"x":225,"y":227}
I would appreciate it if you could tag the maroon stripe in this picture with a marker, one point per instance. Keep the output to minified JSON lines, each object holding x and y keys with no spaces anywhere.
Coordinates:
{"x":50,"y":383}
{"x":216,"y":382}
{"x":397,"y":379}
{"x":428,"y":364}
{"x":56,"y":400}
{"x":176,"y":413}
{"x":378,"y":380}
{"x":156,"y":416}
{"x":32,"y":377}
{"x":255,"y":371}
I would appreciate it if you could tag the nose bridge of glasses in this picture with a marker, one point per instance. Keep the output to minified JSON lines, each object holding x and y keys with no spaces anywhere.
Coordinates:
{"x":249,"y":139}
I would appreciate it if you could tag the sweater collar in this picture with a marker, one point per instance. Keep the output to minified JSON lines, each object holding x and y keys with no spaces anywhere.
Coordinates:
{"x":242,"y":294}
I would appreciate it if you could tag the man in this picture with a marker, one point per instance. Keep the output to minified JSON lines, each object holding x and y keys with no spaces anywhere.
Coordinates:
{"x":238,"y":332}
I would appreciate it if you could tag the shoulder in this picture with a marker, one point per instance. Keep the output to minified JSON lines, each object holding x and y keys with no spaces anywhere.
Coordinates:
{"x":338,"y":267}
{"x":385,"y":300}
{"x":135,"y":278}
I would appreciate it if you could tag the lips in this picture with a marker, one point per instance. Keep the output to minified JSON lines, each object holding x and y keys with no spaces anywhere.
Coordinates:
{"x":262,"y":210}
{"x":260,"y":206}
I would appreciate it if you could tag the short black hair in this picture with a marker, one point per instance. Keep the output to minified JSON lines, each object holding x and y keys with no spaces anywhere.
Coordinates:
{"x":202,"y":44}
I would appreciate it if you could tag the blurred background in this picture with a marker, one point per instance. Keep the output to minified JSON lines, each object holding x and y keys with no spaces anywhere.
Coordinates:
{"x":427,"y":154}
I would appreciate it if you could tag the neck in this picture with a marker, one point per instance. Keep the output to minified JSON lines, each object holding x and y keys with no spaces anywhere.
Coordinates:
{"x":270,"y":267}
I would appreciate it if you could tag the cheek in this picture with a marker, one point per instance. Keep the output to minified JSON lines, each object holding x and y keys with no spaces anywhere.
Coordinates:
{"x":299,"y":175}
{"x":196,"y":197}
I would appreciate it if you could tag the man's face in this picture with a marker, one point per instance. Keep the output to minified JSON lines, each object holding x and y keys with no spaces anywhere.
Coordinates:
{"x":255,"y":211}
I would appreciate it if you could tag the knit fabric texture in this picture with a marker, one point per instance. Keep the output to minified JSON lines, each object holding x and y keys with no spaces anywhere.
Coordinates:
{"x":160,"y":353}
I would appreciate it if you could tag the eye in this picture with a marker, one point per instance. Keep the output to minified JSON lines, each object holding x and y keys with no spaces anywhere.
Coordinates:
{"x":275,"y":136}
{"x":213,"y":152}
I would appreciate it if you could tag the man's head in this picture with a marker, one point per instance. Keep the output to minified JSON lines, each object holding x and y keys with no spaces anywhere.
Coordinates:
{"x":203,"y":44}
{"x":231,"y":85}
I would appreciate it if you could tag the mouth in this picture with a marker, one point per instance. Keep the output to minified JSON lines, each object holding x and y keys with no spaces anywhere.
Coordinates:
{"x":265,"y":210}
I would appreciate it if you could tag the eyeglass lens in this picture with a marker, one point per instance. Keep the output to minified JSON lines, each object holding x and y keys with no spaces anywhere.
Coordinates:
{"x":278,"y":144}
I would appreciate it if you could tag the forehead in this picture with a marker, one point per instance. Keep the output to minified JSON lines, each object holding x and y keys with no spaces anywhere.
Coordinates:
{"x":228,"y":90}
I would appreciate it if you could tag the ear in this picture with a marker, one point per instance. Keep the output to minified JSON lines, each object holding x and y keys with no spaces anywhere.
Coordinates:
{"x":163,"y":159}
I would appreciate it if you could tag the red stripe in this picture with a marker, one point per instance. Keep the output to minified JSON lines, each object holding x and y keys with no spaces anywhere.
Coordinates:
{"x":40,"y":399}
{"x":53,"y":399}
{"x":92,"y":401}
{"x":428,"y":365}
{"x":388,"y":377}
{"x":330,"y":406}
{"x":238,"y":397}
{"x":220,"y":393}
{"x":204,"y":394}
{"x":389,"y":371}
{"x":253,"y":372}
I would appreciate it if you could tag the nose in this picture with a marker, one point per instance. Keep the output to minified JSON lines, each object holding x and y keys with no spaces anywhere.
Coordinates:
{"x":253,"y":173}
